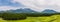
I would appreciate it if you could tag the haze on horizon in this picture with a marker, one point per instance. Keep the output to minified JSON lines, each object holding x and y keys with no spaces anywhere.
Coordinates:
{"x":37,"y":5}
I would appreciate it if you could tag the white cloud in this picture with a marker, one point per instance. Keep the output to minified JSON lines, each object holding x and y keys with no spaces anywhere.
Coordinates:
{"x":41,"y":4}
{"x":4,"y":8}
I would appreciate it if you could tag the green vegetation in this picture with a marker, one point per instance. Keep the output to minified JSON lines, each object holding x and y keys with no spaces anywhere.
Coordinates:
{"x":21,"y":16}
{"x":29,"y":17}
{"x":53,"y":18}
{"x":12,"y":16}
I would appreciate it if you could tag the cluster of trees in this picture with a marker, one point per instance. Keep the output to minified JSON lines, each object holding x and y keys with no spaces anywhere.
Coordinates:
{"x":12,"y":16}
{"x":39,"y":14}
{"x":20,"y":16}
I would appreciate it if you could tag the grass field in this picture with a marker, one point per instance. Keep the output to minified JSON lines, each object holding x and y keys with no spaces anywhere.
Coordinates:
{"x":53,"y":18}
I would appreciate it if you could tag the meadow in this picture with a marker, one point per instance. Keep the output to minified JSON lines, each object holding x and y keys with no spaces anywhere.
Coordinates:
{"x":53,"y":18}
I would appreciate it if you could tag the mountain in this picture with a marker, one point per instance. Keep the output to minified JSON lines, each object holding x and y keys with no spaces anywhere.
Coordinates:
{"x":21,"y":10}
{"x":48,"y":11}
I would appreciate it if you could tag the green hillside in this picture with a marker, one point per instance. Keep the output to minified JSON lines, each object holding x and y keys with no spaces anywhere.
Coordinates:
{"x":54,"y":18}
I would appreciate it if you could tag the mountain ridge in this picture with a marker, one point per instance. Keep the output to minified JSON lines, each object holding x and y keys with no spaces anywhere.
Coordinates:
{"x":49,"y":11}
{"x":21,"y":10}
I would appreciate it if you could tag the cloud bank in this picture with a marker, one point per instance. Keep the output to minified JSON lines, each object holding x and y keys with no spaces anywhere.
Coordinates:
{"x":37,"y":5}
{"x":4,"y":8}
{"x":40,"y":5}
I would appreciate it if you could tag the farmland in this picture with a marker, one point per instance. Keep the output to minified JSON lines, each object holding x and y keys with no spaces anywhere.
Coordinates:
{"x":53,"y":18}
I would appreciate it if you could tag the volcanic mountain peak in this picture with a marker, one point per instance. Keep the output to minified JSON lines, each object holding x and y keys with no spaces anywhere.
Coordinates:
{"x":48,"y":11}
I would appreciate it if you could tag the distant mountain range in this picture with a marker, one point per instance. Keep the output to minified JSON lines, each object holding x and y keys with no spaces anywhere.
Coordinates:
{"x":21,"y":10}
{"x":28,"y":10}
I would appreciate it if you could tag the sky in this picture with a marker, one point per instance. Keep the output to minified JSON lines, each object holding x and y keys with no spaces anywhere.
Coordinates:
{"x":37,"y":5}
{"x":9,"y":4}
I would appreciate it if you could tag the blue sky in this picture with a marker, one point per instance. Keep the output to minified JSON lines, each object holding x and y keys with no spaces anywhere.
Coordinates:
{"x":37,"y":5}
{"x":10,"y":3}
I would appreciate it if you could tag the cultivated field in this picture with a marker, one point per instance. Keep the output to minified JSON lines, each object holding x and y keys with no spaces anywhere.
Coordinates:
{"x":53,"y":18}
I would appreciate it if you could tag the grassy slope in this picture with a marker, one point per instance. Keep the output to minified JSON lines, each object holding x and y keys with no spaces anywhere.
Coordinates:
{"x":54,"y":18}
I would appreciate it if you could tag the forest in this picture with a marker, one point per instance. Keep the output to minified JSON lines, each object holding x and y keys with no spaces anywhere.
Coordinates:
{"x":22,"y":16}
